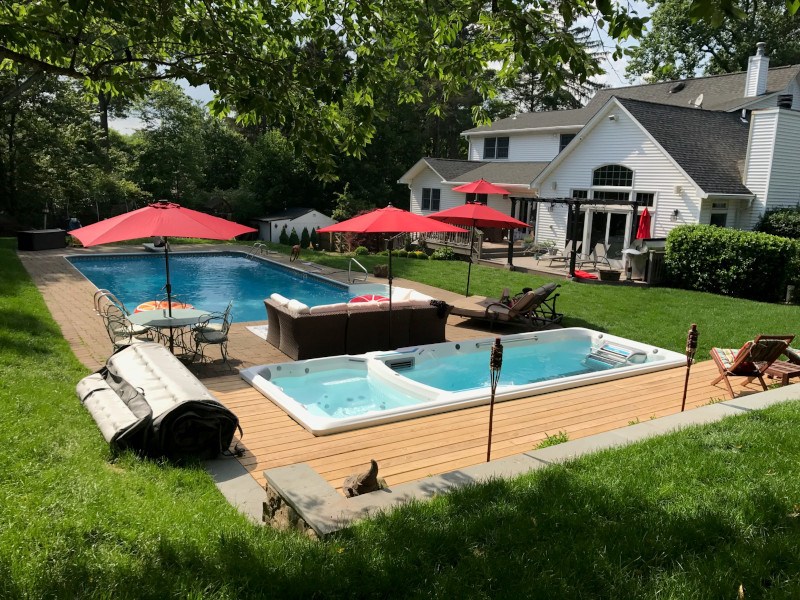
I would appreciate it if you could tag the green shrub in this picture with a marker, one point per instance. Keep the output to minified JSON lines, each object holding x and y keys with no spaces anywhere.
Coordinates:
{"x":418,"y":254}
{"x":383,"y":253}
{"x":313,"y":238}
{"x":401,"y":253}
{"x":293,"y":238}
{"x":445,"y":253}
{"x":745,"y":264}
{"x":305,"y":238}
{"x":361,"y":251}
{"x":784,"y":222}
{"x":284,"y":237}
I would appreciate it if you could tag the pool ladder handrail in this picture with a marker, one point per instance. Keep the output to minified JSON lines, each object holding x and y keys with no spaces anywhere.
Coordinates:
{"x":259,"y":247}
{"x":351,"y":278}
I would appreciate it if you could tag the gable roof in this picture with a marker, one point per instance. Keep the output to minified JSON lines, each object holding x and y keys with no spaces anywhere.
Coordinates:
{"x":504,"y":173}
{"x":288,"y":213}
{"x":720,"y":92}
{"x":451,"y":169}
{"x":710,"y":146}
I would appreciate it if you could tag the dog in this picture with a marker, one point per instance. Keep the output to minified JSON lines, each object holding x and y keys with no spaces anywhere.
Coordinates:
{"x":295,"y":252}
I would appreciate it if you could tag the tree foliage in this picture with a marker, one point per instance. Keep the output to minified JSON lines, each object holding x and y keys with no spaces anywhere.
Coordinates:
{"x":311,"y":69}
{"x":678,"y":45}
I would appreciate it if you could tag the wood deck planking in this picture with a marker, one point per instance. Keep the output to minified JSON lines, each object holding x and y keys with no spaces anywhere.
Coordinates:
{"x":414,"y":448}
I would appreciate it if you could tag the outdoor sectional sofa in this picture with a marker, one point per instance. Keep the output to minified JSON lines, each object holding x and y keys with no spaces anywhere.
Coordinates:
{"x":303,"y":332}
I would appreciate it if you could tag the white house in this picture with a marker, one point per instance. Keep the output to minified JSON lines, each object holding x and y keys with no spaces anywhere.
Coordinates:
{"x":270,"y":227}
{"x":715,"y":150}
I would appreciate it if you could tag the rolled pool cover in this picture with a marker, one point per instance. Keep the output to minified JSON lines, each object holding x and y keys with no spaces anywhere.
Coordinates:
{"x":146,"y":400}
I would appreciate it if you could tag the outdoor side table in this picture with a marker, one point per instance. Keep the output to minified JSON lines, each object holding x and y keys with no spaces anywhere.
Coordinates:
{"x":783,"y":370}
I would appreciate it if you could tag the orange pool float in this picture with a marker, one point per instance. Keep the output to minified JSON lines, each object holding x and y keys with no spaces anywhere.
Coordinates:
{"x":159,"y":304}
{"x":368,"y":298}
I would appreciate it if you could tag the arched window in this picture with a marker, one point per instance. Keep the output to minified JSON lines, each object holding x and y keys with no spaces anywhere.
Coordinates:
{"x":613,"y":175}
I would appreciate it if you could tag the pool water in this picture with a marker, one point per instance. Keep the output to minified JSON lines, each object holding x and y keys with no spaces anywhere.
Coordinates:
{"x":207,"y":280}
{"x":347,"y":393}
{"x":521,"y":365}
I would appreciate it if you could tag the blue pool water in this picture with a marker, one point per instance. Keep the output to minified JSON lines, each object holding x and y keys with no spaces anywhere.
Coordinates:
{"x":208,"y":281}
{"x":522,"y":364}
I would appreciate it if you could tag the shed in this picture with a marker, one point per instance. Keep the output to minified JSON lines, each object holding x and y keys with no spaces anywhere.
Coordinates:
{"x":270,"y":227}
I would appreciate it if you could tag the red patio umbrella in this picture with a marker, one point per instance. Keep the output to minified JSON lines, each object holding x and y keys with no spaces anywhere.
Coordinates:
{"x":481,"y":186}
{"x":165,"y":219}
{"x":477,"y":215}
{"x":643,"y":231}
{"x":390,"y":220}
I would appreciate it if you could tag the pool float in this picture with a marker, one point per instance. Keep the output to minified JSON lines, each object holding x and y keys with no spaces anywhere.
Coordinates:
{"x":159,"y":304}
{"x":368,"y":298}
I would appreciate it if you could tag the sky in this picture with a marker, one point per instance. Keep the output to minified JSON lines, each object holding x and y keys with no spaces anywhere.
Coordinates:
{"x":614,"y":72}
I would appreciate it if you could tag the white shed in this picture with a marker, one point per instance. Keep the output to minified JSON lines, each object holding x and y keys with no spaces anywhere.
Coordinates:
{"x":270,"y":227}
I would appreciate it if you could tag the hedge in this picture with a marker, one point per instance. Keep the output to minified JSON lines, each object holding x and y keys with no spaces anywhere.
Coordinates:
{"x":745,"y":264}
{"x":782,"y":221}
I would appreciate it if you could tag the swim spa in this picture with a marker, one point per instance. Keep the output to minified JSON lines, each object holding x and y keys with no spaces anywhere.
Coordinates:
{"x":328,"y":395}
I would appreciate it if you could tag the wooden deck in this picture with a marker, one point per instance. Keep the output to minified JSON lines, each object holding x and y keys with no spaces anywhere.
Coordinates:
{"x":430,"y":445}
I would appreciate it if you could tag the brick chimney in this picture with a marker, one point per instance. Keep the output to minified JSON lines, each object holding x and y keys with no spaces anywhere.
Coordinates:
{"x":757,"y":67}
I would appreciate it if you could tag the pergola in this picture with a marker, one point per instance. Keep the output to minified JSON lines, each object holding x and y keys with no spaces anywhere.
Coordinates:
{"x":574,"y":207}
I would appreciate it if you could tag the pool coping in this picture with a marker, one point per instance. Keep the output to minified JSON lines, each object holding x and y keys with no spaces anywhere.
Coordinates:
{"x":326,"y":511}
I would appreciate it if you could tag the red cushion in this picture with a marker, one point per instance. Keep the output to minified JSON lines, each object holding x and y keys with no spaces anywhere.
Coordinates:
{"x":585,"y":275}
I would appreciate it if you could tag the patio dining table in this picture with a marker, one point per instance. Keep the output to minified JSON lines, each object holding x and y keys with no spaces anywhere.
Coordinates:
{"x":182,"y":319}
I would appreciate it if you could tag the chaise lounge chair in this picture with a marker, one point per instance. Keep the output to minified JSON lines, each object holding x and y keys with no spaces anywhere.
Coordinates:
{"x":751,"y":360}
{"x":564,"y":255}
{"x":534,"y":309}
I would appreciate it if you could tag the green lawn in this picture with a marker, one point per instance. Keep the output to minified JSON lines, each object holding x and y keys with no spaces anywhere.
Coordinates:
{"x":690,"y":515}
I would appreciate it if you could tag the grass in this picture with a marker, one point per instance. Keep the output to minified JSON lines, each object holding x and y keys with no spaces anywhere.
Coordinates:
{"x":690,"y":515}
{"x":553,"y":440}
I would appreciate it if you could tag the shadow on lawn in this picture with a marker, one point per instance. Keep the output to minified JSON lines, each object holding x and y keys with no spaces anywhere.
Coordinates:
{"x":551,"y":537}
{"x":23,"y":334}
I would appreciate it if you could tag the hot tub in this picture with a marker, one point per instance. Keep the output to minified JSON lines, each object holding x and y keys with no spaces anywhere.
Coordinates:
{"x":339,"y":393}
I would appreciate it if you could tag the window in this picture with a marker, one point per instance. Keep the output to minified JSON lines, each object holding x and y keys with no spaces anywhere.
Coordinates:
{"x":613,"y":175}
{"x":580,"y":194}
{"x":564,"y":139}
{"x":647,"y":199}
{"x":612,"y":196}
{"x":430,"y":198}
{"x":495,"y":147}
{"x":478,"y":198}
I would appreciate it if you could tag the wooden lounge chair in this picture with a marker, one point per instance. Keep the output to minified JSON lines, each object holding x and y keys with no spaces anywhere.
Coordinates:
{"x":751,"y":360}
{"x":534,"y":309}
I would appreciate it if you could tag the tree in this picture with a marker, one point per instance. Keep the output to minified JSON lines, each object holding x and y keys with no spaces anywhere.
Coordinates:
{"x":677,"y":46}
{"x":321,"y":94}
{"x":283,"y":238}
{"x":305,"y":238}
{"x":293,"y":239}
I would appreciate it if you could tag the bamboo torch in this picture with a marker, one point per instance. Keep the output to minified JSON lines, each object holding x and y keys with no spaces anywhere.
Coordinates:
{"x":691,"y":348}
{"x":495,"y":364}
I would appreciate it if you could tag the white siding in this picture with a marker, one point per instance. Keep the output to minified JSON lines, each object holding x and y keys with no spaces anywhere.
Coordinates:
{"x":534,"y":147}
{"x":620,"y":142}
{"x":784,"y":183}
{"x":758,"y":165}
{"x":429,"y":179}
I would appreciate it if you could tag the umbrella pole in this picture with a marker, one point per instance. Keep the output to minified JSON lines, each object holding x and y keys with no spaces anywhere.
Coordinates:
{"x":469,"y":267}
{"x":389,"y":245}
{"x":169,"y":293}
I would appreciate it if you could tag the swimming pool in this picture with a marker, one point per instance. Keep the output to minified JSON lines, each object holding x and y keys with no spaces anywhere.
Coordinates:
{"x":209,"y":280}
{"x":327,"y":395}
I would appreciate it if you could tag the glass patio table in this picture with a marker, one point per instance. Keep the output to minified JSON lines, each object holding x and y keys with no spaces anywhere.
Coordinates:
{"x":182,"y":319}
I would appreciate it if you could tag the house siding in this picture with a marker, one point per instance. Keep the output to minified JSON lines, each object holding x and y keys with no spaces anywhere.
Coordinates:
{"x":784,"y":183}
{"x":533,"y":147}
{"x":429,"y":179}
{"x":758,"y":164}
{"x":619,"y":142}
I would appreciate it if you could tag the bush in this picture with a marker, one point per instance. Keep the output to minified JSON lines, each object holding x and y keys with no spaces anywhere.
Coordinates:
{"x":383,"y":253}
{"x":784,"y":222}
{"x":745,"y":264}
{"x":304,"y":238}
{"x":284,"y":237}
{"x":313,"y":238}
{"x":361,"y":251}
{"x":418,"y":254}
{"x":293,"y":239}
{"x":445,"y":253}
{"x":401,"y":253}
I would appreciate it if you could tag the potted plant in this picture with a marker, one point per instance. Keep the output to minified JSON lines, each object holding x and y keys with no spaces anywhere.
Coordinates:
{"x":609,"y":274}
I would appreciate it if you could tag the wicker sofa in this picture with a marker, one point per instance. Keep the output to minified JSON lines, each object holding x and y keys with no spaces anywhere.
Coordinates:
{"x":303,"y":332}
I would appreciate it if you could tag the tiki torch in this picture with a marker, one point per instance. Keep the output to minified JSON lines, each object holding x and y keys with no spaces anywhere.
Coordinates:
{"x":495,"y":364}
{"x":691,"y":348}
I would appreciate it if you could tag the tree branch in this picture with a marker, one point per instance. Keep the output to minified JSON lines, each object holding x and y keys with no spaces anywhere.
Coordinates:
{"x":37,"y":76}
